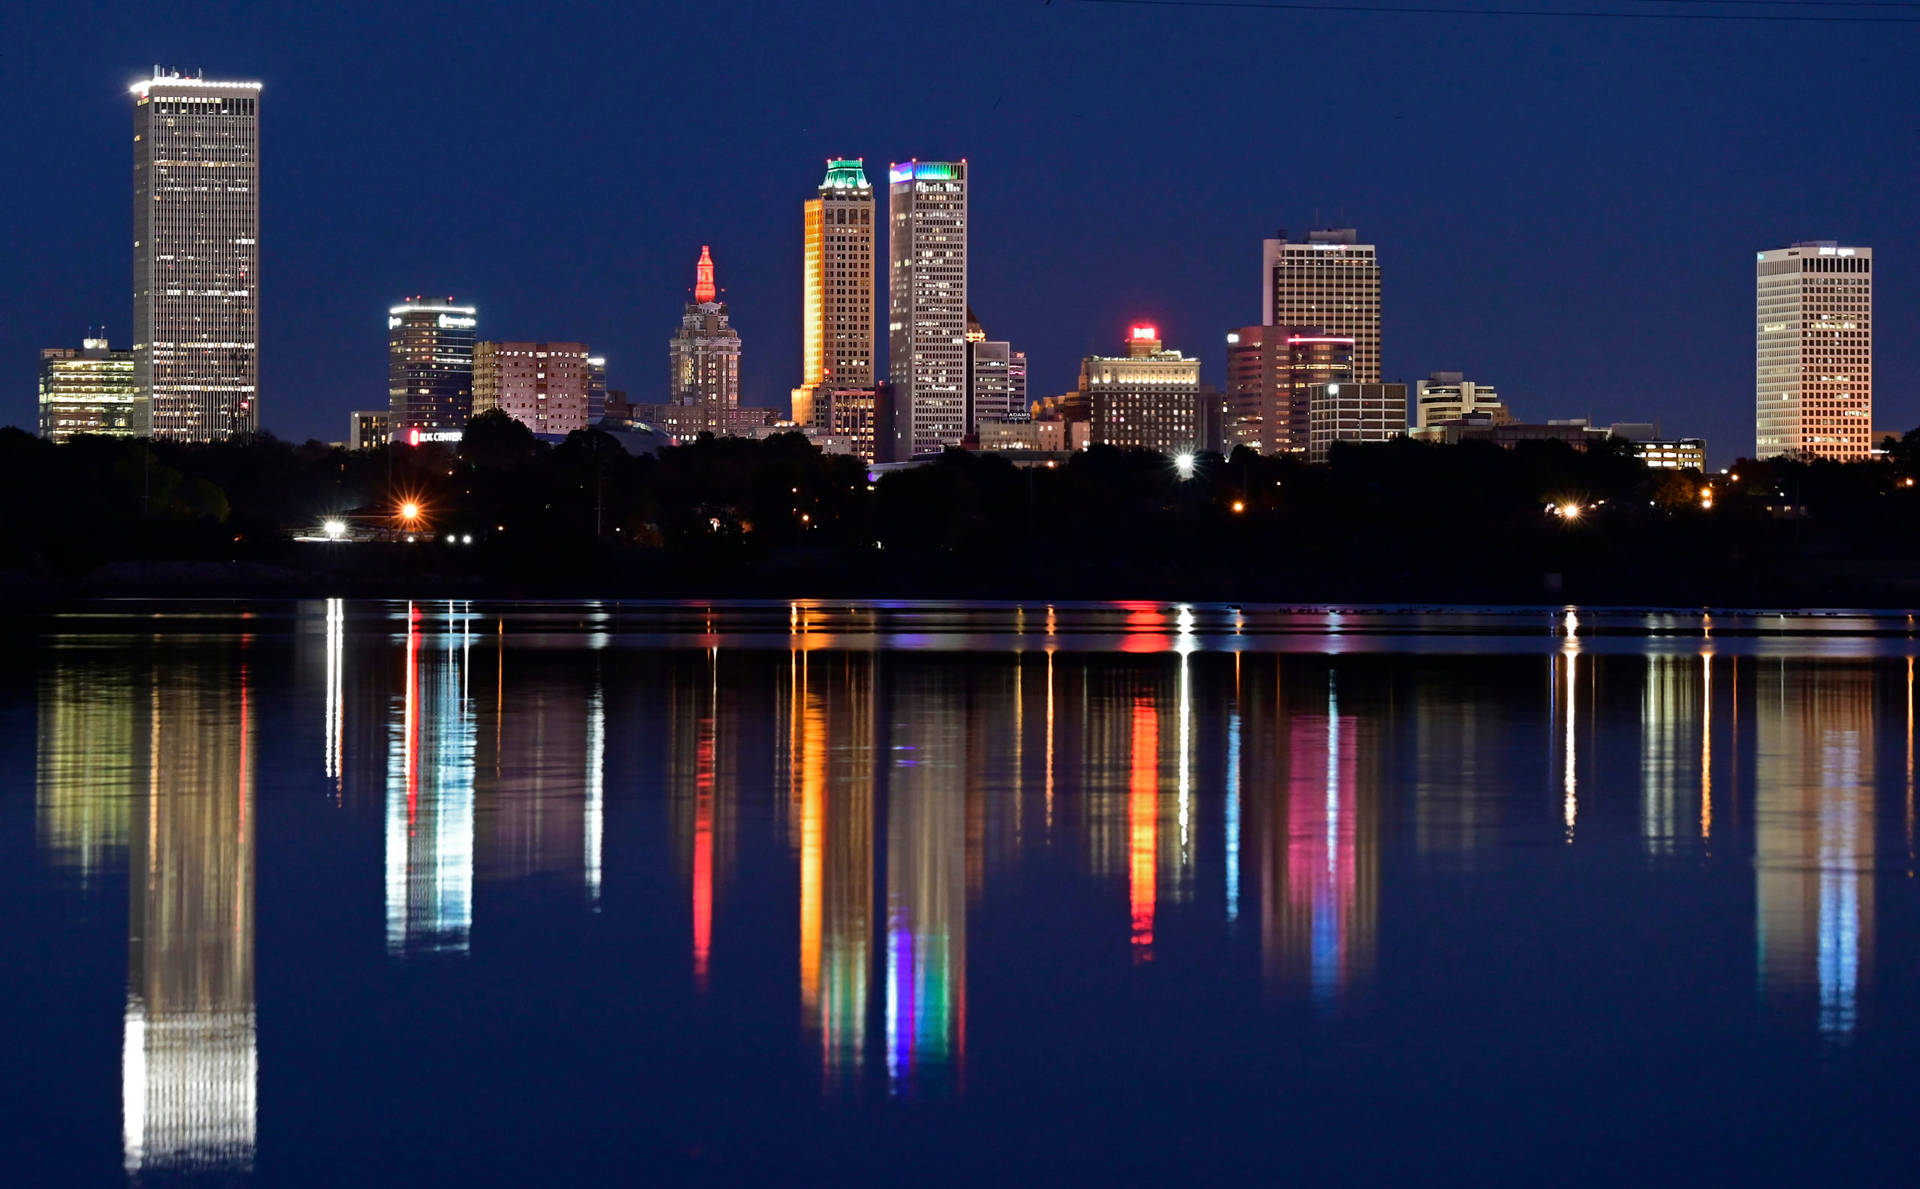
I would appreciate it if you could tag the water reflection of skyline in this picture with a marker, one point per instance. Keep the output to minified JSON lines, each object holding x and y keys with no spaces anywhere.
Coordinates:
{"x":1281,"y":800}
{"x":1814,"y":768}
{"x":189,"y":1064}
{"x":430,"y":790}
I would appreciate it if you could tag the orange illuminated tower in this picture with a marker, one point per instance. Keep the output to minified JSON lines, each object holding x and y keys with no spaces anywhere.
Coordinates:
{"x":703,"y":290}
{"x":703,"y":356}
{"x":836,"y":328}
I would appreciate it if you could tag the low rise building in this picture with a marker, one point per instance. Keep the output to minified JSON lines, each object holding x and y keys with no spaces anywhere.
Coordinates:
{"x":88,"y":391}
{"x":1357,"y":413}
{"x":1027,"y":434}
{"x":1449,"y":396}
{"x":1676,"y":454}
{"x":1481,"y":427}
{"x":368,"y":428}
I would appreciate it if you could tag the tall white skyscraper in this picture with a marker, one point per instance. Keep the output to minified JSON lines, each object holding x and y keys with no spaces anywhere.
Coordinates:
{"x":196,"y":256}
{"x":1332,"y":282}
{"x":1813,"y":351}
{"x":927,"y":304}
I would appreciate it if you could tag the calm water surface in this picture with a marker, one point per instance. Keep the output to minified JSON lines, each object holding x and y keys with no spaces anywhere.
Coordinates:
{"x":370,"y":893}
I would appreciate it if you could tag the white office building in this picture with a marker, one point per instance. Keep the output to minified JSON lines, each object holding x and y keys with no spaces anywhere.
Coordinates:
{"x":196,"y":256}
{"x":1449,"y":396}
{"x":1332,"y":281}
{"x":927,"y":304}
{"x":1813,"y":351}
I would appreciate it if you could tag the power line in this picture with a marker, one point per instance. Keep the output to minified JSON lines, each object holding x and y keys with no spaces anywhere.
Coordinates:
{"x":1564,"y":14}
{"x":1907,"y":4}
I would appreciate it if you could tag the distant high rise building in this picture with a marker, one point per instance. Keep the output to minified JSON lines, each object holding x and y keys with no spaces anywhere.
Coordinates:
{"x":703,"y":356}
{"x":547,"y":387}
{"x":1273,"y":373}
{"x":368,"y":428}
{"x":1358,"y":413}
{"x":1149,"y":398}
{"x":1449,"y":396}
{"x":1813,"y":353}
{"x":927,"y":303}
{"x":996,"y":378}
{"x":429,"y":366}
{"x":837,"y":340}
{"x":1331,"y":281}
{"x":597,"y":389}
{"x":196,"y":256}
{"x":89,"y":391}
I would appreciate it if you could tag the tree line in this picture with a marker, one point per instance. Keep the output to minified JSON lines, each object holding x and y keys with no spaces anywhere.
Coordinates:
{"x":1399,"y":521}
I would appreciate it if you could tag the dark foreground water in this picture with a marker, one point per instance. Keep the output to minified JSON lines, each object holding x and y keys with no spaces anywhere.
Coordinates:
{"x":324,"y":893}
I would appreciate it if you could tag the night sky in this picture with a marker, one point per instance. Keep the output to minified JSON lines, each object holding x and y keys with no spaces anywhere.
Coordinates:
{"x":1566,"y":208}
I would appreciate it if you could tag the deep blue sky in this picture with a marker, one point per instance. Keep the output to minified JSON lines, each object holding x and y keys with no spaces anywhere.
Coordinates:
{"x":1565,"y":208}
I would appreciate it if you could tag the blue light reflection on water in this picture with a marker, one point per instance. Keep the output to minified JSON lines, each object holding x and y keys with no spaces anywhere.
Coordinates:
{"x":1385,"y":857}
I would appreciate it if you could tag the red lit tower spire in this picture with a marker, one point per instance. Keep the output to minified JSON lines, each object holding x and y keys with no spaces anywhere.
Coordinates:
{"x":703,"y":290}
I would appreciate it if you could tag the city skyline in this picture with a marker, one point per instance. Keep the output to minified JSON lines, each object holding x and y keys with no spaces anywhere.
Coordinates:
{"x":1522,"y":287}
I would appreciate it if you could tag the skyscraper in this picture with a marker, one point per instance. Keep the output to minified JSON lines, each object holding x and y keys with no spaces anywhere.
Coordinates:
{"x":1813,"y":351}
{"x":837,"y":342}
{"x":196,"y":256}
{"x":91,"y":390}
{"x":703,"y":356}
{"x":1332,"y":281}
{"x":927,"y":303}
{"x":429,"y":367}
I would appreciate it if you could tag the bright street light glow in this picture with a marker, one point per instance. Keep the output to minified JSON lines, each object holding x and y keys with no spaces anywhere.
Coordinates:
{"x":1570,"y":511}
{"x":335,"y":529}
{"x":409,"y":511}
{"x":1239,"y":506}
{"x":1183,"y":462}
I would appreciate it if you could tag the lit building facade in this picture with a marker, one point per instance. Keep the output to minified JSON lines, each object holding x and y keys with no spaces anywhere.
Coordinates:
{"x":429,"y":366}
{"x":196,"y":256}
{"x":368,"y":428}
{"x":1358,"y":413}
{"x":837,"y":300}
{"x":1813,"y":352}
{"x":703,"y":356}
{"x":190,"y":1064}
{"x":1272,"y":375}
{"x":1678,"y":454}
{"x":89,"y":391}
{"x":996,"y":378}
{"x":548,"y":387}
{"x":1027,"y":434}
{"x":1149,"y":398}
{"x":927,"y":303}
{"x":1449,"y":396}
{"x":597,"y":389}
{"x":1331,"y":281}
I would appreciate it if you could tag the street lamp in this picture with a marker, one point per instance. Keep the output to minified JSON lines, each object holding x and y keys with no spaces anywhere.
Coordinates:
{"x":1183,"y":462}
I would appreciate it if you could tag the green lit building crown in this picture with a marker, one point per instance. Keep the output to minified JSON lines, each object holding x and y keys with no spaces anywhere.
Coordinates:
{"x":850,"y":174}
